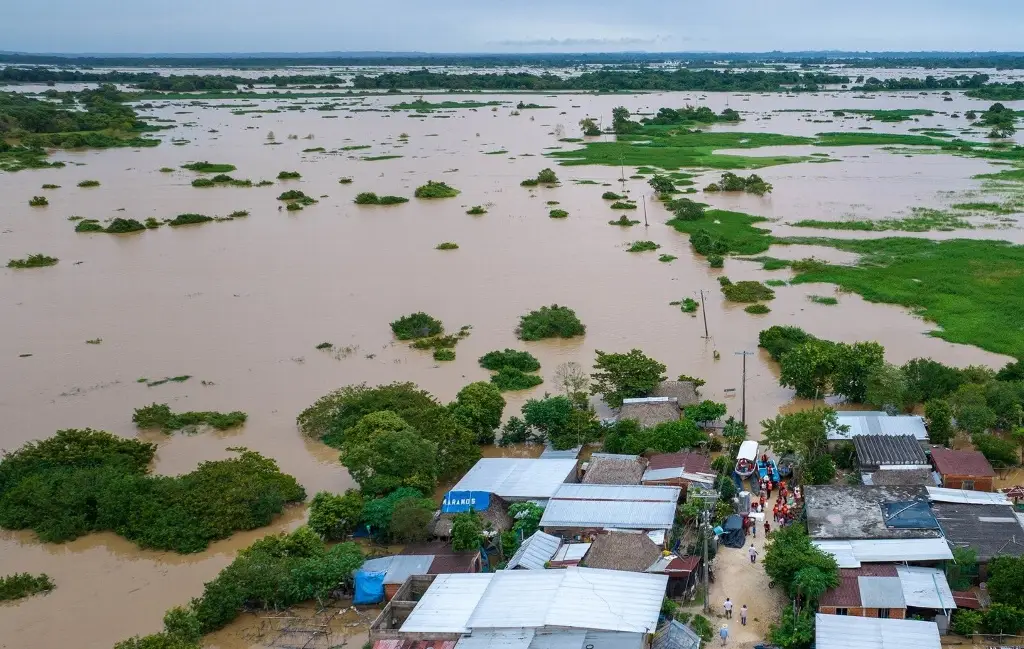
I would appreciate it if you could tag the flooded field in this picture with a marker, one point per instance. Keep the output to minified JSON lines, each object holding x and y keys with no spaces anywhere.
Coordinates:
{"x":241,"y":305}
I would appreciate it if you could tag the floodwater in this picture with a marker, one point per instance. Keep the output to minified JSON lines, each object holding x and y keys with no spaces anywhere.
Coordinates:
{"x":241,"y":305}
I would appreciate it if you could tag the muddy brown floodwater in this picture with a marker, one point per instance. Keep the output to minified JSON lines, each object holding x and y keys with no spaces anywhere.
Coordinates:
{"x":241,"y":305}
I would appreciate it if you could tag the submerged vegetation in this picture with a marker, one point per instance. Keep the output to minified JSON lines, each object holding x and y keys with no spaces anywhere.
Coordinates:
{"x":416,"y":325}
{"x":642,"y":246}
{"x":116,"y":226}
{"x":747,"y":291}
{"x":23,"y":584}
{"x":476,"y":210}
{"x":159,"y":416}
{"x":435,"y":189}
{"x":550,"y":322}
{"x":33,"y":261}
{"x":447,"y":245}
{"x":369,"y":198}
{"x":209,"y":167}
{"x":82,"y":481}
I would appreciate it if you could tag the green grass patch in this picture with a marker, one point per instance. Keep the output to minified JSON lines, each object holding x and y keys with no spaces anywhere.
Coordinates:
{"x":642,"y":246}
{"x":747,"y":291}
{"x":33,"y":261}
{"x":208,"y":167}
{"x":875,"y":139}
{"x":898,"y":115}
{"x":423,"y":106}
{"x":496,"y":152}
{"x":972,"y":289}
{"x":994,"y":208}
{"x":356,"y":147}
{"x":923,"y":220}
{"x":158,"y":416}
{"x":723,"y":232}
{"x":1006,"y":175}
{"x":317,"y":149}
{"x":447,"y":245}
{"x":23,"y":584}
{"x":775,"y":283}
{"x":823,"y":299}
{"x":671,"y":148}
{"x":436,"y":189}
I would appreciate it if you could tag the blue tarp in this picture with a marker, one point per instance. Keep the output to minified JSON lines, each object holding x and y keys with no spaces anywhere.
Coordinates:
{"x":369,"y":587}
{"x":909,"y":514}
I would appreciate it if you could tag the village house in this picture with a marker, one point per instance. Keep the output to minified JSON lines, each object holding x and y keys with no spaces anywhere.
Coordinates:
{"x":680,"y":469}
{"x":963,"y":469}
{"x":859,"y":422}
{"x":665,"y":403}
{"x":417,"y":559}
{"x":886,"y":590}
{"x":581,"y":511}
{"x":609,"y":468}
{"x":985,"y":522}
{"x":888,"y":453}
{"x":518,"y":479}
{"x":852,"y":632}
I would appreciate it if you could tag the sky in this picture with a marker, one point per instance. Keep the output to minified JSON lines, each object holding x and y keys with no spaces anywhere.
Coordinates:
{"x":453,"y":26}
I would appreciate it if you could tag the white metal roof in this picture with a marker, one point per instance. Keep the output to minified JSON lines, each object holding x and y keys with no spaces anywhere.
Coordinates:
{"x":448,"y":603}
{"x":608,"y":600}
{"x":517,"y":478}
{"x":625,"y":514}
{"x":851,"y":553}
{"x":535,"y":552}
{"x":748,"y":450}
{"x":872,"y":423}
{"x":571,"y":552}
{"x":852,"y":632}
{"x":661,"y":493}
{"x":880,"y":592}
{"x":574,"y":598}
{"x":497,"y":639}
{"x":966,"y":496}
{"x":650,"y":400}
{"x":925,"y":588}
{"x":399,"y":567}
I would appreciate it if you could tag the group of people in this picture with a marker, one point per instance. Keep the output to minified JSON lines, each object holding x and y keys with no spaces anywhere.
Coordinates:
{"x":723,"y":632}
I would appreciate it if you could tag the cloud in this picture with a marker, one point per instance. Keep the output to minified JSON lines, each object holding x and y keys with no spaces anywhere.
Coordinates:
{"x":625,"y":41}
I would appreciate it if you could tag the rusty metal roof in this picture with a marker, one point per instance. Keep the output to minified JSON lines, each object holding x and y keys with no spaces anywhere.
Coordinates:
{"x":971,"y":463}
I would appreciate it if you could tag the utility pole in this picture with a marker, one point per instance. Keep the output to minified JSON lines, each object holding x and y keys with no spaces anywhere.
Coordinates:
{"x":704,"y":312}
{"x":643,"y":197}
{"x":708,"y":501}
{"x":743,"y":411}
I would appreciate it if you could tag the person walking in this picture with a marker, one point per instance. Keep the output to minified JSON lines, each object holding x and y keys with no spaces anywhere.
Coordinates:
{"x":753,"y":554}
{"x":743,"y":615}
{"x":767,"y":528}
{"x":723,"y":633}
{"x":728,"y":608}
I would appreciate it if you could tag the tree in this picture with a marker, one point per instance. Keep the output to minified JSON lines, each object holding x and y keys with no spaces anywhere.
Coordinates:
{"x":410,"y":522}
{"x":384,"y":453}
{"x":734,"y":434}
{"x":803,"y":433}
{"x":818,"y":470}
{"x":527,"y":517}
{"x":705,"y":412}
{"x":624,"y":376}
{"x":662,"y":184}
{"x":795,"y":629}
{"x":998,"y":451}
{"x":1006,"y":580}
{"x":812,"y":582}
{"x":467,"y":531}
{"x":961,"y":571}
{"x":478,"y":407}
{"x":778,"y":340}
{"x":940,"y":421}
{"x":377,"y":513}
{"x":627,"y":436}
{"x":928,"y":379}
{"x":789,"y":551}
{"x":854,"y":363}
{"x":621,"y":123}
{"x":809,"y":368}
{"x":573,"y":381}
{"x":1002,"y":619}
{"x":334,"y":517}
{"x":886,"y":388}
{"x":589,"y":126}
{"x":1018,"y":438}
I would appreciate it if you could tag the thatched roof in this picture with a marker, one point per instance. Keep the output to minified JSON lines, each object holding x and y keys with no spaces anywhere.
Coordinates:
{"x":604,"y":468}
{"x":650,"y":414}
{"x":684,"y":392}
{"x":621,"y":551}
{"x":496,"y":514}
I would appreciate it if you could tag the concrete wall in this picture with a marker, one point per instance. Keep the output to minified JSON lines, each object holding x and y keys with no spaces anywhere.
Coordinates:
{"x":957,"y":482}
{"x":894,"y":613}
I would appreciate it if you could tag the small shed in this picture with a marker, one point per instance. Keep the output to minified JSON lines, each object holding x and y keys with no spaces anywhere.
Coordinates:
{"x":889,"y":452}
{"x":676,"y":635}
{"x":622,"y":551}
{"x":610,"y":468}
{"x":963,"y":469}
{"x":535,"y":552}
{"x":679,"y":469}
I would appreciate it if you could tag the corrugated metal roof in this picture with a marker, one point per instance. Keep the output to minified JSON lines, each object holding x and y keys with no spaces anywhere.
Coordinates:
{"x":623,"y":514}
{"x":925,"y":588}
{"x":399,"y":567}
{"x":448,"y":604}
{"x":880,"y":592}
{"x":559,"y":640}
{"x":693,"y":462}
{"x":414,"y":644}
{"x":966,"y":496}
{"x":569,"y":454}
{"x":611,"y":640}
{"x":870,"y":423}
{"x":852,"y":632}
{"x":571,"y":552}
{"x":967,"y":463}
{"x":675,"y":635}
{"x":663,"y":474}
{"x":659,"y":493}
{"x":535,"y":552}
{"x":608,"y":600}
{"x":850,"y":553}
{"x":497,"y":639}
{"x":889,"y":450}
{"x":521,"y":478}
{"x":517,"y":598}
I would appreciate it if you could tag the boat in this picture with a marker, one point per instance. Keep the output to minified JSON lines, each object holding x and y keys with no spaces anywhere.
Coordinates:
{"x":768,"y":469}
{"x":746,"y":459}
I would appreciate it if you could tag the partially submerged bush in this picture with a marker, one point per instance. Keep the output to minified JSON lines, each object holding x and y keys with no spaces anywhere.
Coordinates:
{"x":188,"y":219}
{"x":158,"y":416}
{"x":436,"y":189}
{"x":753,"y":184}
{"x":207,"y":167}
{"x":50,"y":186}
{"x":89,"y":183}
{"x":33,"y":261}
{"x":444,"y":354}
{"x":558,"y":214}
{"x":612,"y":196}
{"x":642,"y":246}
{"x":624,"y":221}
{"x":38,"y":201}
{"x":716,"y":261}
{"x":757,"y":309}
{"x":476,"y":210}
{"x":289,"y":175}
{"x":547,"y":177}
{"x":370,"y":198}
{"x":447,"y":245}
{"x":296,"y":196}
{"x":522,"y":361}
{"x":509,"y":379}
{"x":667,"y":258}
{"x":621,"y":205}
{"x":344,"y":181}
{"x":689,"y":305}
{"x":550,"y":322}
{"x":20,"y":585}
{"x":416,"y":325}
{"x":747,"y":291}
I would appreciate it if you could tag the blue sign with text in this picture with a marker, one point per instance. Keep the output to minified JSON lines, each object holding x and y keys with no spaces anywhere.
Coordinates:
{"x":462,"y":501}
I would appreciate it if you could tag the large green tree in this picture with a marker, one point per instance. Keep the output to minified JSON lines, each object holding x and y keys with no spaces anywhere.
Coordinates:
{"x":410,"y":522}
{"x":561,"y":421}
{"x":1006,"y":580}
{"x":334,"y":517}
{"x":886,"y":388}
{"x":796,"y":564}
{"x":629,"y":437}
{"x":804,"y":434}
{"x":467,"y":531}
{"x":383,"y":453}
{"x":940,"y":421}
{"x":625,"y":376}
{"x":478,"y":406}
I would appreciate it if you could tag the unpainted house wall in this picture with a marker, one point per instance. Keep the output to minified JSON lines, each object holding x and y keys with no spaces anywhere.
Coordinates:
{"x":957,"y":482}
{"x":894,"y":613}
